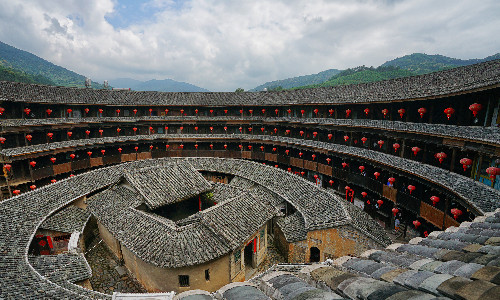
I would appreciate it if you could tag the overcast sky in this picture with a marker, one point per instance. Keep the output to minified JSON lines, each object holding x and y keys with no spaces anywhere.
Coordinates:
{"x":222,"y":45}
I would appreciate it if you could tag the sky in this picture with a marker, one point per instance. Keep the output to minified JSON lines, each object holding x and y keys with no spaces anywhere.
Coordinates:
{"x":225,"y":44}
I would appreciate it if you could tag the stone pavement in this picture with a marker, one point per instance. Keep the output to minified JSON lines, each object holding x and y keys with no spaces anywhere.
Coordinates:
{"x":105,"y":277}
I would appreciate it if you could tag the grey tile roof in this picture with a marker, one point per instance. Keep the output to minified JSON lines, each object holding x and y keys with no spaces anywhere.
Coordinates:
{"x":62,"y":267}
{"x":69,"y":219}
{"x":167,"y":183}
{"x":293,"y":227}
{"x":455,"y":80}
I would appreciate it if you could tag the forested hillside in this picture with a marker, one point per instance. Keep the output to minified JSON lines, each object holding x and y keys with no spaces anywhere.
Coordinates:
{"x":297,"y":81}
{"x":9,"y":74}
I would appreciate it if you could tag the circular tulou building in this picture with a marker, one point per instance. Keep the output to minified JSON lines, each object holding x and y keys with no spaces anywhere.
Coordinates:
{"x":192,"y":193}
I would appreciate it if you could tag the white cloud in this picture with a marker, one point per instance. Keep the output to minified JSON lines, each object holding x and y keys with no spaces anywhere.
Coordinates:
{"x":222,"y":45}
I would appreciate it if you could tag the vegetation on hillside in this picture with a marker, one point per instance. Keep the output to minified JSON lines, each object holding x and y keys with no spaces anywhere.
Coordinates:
{"x":10,"y":74}
{"x":363,"y":74}
{"x":33,"y":65}
{"x":297,"y":81}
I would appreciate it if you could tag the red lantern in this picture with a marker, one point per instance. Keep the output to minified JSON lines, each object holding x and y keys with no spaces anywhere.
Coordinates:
{"x":89,"y":153}
{"x":241,"y":128}
{"x":134,"y":129}
{"x":391,"y":180}
{"x":315,"y":134}
{"x":167,"y":146}
{"x":262,"y":148}
{"x":72,"y":175}
{"x":150,"y":128}
{"x":7,"y":167}
{"x":347,"y":113}
{"x":361,"y":168}
{"x":466,"y":163}
{"x":211,"y":129}
{"x":196,"y":128}
{"x":364,"y":139}
{"x":53,"y":160}
{"x":103,"y":151}
{"x":380,"y":143}
{"x":385,"y":111}
{"x":367,"y":111}
{"x":249,"y":147}
{"x":275,"y":130}
{"x":493,"y":171}
{"x":250,"y":111}
{"x":287,"y":131}
{"x":262,"y":129}
{"x":181,"y":146}
{"x":300,"y":154}
{"x":331,"y":182}
{"x":69,"y":110}
{"x":72,"y":155}
{"x":449,"y":111}
{"x":346,"y":137}
{"x":70,"y":133}
{"x":289,"y":169}
{"x":150,"y":111}
{"x":376,"y":174}
{"x":263,"y":111}
{"x":196,"y":111}
{"x":225,"y":128}
{"x":301,"y":133}
{"x":101,"y":131}
{"x":287,"y":151}
{"x":28,"y":137}
{"x":415,"y":150}
{"x":53,"y":180}
{"x":250,"y":129}
{"x":330,"y":111}
{"x":411,"y":188}
{"x":395,"y":211}
{"x":364,"y":194}
{"x":32,"y":187}
{"x":48,"y":111}
{"x":2,"y":110}
{"x":328,"y":160}
{"x":434,"y":199}
{"x":302,"y":173}
{"x":87,"y":132}
{"x":441,"y":156}
{"x":344,"y":165}
{"x":86,"y":110}
{"x":316,"y":111}
{"x":276,"y":111}
{"x":240,"y":146}
{"x":380,"y":202}
{"x":2,"y":140}
{"x":27,"y":111}
{"x":166,"y":111}
{"x":225,"y":146}
{"x":182,"y":111}
{"x":181,"y":128}
{"x":118,"y":129}
{"x":274,"y":149}
{"x":313,"y":156}
{"x":422,"y":111}
{"x":50,"y":135}
{"x":302,"y":112}
{"x":136,"y":148}
{"x":416,"y":223}
{"x":135,"y":111}
{"x":456,"y":212}
{"x":16,"y":192}
{"x":118,"y":112}
{"x":166,"y":129}
{"x":396,"y":147}
{"x":475,"y":108}
{"x":100,"y":110}
{"x":330,"y":136}
{"x":401,"y":112}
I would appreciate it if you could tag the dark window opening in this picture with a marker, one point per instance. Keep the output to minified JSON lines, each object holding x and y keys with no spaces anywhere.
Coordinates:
{"x":207,"y":274}
{"x":183,"y":280}
{"x":315,"y":255}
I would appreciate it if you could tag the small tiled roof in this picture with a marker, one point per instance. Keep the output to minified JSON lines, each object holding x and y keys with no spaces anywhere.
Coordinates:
{"x":293,"y":227}
{"x":168,"y":183}
{"x":62,"y":267}
{"x":69,"y":219}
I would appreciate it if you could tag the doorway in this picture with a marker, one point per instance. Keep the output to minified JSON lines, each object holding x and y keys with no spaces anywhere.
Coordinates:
{"x":314,"y":255}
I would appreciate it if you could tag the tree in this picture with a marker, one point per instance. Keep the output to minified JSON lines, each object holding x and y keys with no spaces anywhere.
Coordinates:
{"x":239,"y":90}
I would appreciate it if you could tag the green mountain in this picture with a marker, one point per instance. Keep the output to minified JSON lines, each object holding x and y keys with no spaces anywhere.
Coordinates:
{"x":297,"y":81}
{"x":23,"y":61}
{"x":10,"y":74}
{"x":165,"y":85}
{"x":421,"y":63}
